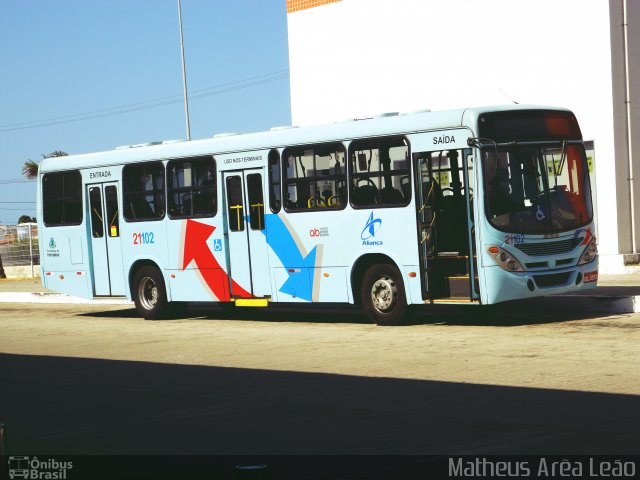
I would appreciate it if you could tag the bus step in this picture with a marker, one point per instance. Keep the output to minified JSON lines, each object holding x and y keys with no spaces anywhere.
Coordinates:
{"x":252,"y":302}
{"x":453,"y":265}
{"x":459,"y":286}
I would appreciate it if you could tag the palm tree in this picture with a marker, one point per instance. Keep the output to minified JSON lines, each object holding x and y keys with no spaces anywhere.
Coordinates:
{"x":30,"y":167}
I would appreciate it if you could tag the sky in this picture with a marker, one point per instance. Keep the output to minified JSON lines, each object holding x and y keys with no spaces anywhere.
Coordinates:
{"x":90,"y":75}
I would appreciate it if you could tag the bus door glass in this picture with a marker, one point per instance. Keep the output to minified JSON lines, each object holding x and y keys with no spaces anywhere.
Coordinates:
{"x":248,"y":256}
{"x":104,"y":224}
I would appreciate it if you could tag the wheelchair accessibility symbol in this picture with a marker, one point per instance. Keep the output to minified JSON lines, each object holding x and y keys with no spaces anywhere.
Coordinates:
{"x":217,"y":245}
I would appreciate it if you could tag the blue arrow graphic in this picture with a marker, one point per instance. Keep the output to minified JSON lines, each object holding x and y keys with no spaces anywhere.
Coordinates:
{"x":280,"y":239}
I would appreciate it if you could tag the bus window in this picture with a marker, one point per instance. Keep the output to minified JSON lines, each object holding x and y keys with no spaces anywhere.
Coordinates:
{"x":234,"y":203}
{"x":95,"y":202}
{"x":274,"y":181}
{"x":62,"y":198}
{"x":191,"y":188}
{"x":256,"y":201}
{"x":315,"y":177}
{"x":380,"y":173}
{"x":143,"y":191}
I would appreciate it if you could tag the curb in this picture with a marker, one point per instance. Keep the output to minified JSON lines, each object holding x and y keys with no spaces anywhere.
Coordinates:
{"x":47,"y":297}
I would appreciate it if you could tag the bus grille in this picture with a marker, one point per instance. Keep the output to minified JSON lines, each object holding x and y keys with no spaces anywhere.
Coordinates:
{"x":549,"y":248}
{"x":552,"y":280}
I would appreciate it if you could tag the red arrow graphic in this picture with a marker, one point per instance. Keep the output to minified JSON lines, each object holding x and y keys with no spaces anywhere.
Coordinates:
{"x":196,"y":249}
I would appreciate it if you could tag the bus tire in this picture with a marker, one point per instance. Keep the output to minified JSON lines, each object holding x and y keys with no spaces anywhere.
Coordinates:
{"x":149,"y":293}
{"x":383,"y":295}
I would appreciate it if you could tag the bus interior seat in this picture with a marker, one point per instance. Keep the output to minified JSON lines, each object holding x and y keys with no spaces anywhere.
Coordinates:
{"x":391,"y":195}
{"x":140,"y":208}
{"x":186,"y":206}
{"x":406,"y":190}
{"x":365,"y":195}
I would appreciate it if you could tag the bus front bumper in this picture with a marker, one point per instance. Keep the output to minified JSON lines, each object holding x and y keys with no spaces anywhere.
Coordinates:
{"x":501,"y":286}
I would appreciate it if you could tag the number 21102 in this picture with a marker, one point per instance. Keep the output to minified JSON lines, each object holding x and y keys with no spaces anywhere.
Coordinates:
{"x":144,"y":238}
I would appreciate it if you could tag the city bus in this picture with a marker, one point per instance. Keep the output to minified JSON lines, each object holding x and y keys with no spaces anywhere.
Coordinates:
{"x":470,"y":206}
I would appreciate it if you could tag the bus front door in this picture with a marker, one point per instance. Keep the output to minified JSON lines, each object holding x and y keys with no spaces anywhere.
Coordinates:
{"x":106,"y":249}
{"x":248,"y":266}
{"x":444,"y":193}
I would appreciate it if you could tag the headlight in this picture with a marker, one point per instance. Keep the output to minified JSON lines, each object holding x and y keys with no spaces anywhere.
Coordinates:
{"x":589,"y":253}
{"x":505,"y":260}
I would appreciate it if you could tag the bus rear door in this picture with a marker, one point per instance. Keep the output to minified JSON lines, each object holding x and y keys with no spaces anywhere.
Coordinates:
{"x":245,"y":225}
{"x":106,"y":248}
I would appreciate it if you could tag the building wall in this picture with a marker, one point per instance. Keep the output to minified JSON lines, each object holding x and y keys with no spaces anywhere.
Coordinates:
{"x":627,"y":132}
{"x":353,"y":58}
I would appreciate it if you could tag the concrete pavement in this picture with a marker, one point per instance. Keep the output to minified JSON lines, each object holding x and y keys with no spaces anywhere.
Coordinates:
{"x":30,"y":290}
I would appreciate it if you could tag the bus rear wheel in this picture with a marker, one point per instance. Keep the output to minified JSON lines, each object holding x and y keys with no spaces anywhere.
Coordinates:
{"x":149,"y":293}
{"x":383,"y":296}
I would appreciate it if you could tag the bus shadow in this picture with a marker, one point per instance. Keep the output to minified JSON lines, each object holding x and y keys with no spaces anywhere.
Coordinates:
{"x":611,"y":291}
{"x":280,"y":313}
{"x":509,"y":314}
{"x":317,"y":313}
{"x":124,"y":313}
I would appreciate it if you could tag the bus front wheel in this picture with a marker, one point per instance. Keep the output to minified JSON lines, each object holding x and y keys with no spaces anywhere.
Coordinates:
{"x":383,"y":296}
{"x":149,"y":293}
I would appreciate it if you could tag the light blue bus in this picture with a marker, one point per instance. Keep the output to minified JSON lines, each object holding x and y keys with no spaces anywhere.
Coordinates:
{"x":478,"y":206}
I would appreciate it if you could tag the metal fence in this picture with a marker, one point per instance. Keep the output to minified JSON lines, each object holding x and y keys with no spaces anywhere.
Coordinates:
{"x":19,"y":246}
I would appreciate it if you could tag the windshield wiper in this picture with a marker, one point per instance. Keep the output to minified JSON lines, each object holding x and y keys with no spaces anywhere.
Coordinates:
{"x":563,"y":157}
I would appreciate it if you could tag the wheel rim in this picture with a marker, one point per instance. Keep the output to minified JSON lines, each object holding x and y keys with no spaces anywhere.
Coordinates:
{"x":384,"y":294}
{"x":148,"y":293}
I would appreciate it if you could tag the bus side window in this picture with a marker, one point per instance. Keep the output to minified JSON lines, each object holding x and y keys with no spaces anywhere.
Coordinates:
{"x":191,"y":187}
{"x":274,"y":181}
{"x":315,"y":177}
{"x":380,"y":173}
{"x":62,"y":198}
{"x":143,"y":187}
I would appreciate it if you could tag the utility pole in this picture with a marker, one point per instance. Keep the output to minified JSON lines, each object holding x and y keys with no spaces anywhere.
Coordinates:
{"x":184,"y":74}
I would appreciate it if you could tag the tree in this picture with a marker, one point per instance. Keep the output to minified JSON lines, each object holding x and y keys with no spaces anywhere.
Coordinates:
{"x":26,"y":219}
{"x":30,"y":167}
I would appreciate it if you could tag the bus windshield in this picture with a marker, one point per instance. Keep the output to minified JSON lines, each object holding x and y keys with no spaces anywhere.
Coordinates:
{"x":537,"y":188}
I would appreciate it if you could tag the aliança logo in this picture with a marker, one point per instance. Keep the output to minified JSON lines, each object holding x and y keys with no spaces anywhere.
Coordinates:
{"x":52,"y":243}
{"x":371,"y":228}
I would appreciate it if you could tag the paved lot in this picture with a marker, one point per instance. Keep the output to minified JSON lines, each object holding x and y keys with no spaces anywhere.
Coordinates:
{"x":514,"y":379}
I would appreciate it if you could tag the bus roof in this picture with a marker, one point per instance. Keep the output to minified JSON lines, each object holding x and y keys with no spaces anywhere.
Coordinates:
{"x":381,"y":125}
